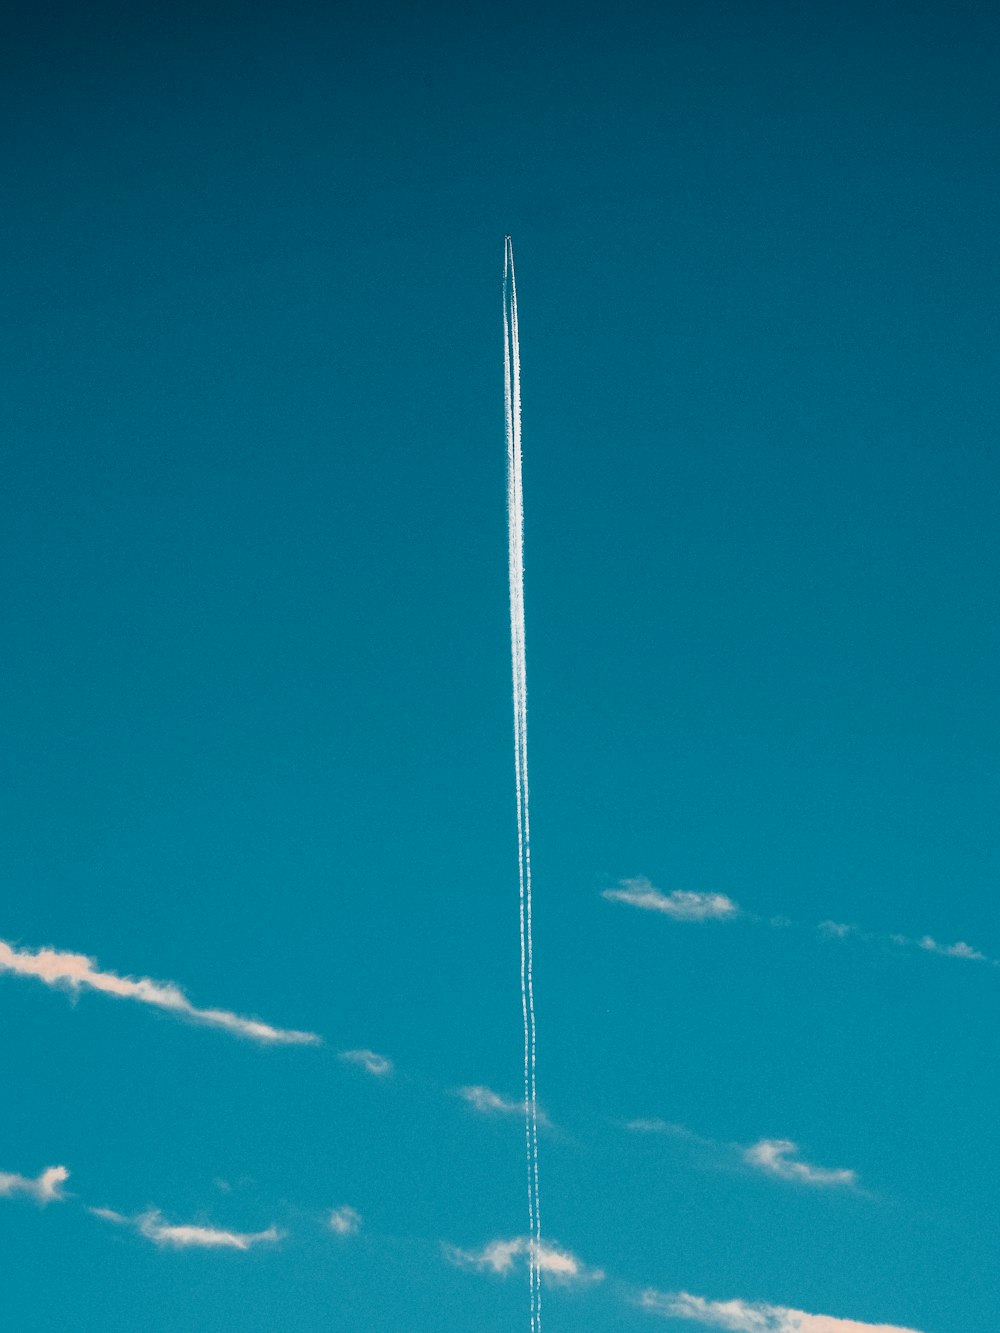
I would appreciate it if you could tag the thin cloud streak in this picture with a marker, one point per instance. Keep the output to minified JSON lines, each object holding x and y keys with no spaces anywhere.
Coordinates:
{"x":43,"y":1188}
{"x":187,"y":1236}
{"x":738,"y":1316}
{"x":58,"y":968}
{"x":501,"y":1257}
{"x":680,"y":904}
{"x":380,"y":1066}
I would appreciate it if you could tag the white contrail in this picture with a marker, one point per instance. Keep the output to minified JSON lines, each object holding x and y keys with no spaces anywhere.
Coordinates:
{"x":515,"y":550}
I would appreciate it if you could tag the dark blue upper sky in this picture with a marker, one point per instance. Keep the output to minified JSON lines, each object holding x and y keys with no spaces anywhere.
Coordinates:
{"x":255,"y":731}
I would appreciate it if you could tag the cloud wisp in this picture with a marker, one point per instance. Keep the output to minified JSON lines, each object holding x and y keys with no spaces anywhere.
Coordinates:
{"x":490,"y":1103}
{"x":778,"y":1157}
{"x":502,"y":1256}
{"x":738,"y":1316}
{"x":772,"y":1157}
{"x":344,"y":1221}
{"x":187,"y":1236}
{"x":77,"y":972}
{"x":840,"y":930}
{"x":44,"y":1188}
{"x":679,"y":905}
{"x":379,"y":1066}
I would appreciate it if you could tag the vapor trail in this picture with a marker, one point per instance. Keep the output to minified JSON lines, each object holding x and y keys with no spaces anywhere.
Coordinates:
{"x":515,"y":551}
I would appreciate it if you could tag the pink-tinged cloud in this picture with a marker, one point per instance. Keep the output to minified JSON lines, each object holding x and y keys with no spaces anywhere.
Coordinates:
{"x":44,"y":1188}
{"x":680,"y":905}
{"x":753,"y":1317}
{"x":77,"y":972}
{"x":777,"y":1157}
{"x":380,"y":1066}
{"x":501,"y":1256}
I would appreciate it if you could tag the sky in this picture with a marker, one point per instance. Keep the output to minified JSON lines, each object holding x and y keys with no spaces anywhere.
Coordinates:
{"x":258,"y":863}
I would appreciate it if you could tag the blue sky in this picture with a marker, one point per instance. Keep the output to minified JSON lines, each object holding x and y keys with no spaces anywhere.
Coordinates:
{"x":256,"y":711}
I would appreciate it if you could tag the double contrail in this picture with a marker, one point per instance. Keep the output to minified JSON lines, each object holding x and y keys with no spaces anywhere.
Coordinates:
{"x":515,"y":549}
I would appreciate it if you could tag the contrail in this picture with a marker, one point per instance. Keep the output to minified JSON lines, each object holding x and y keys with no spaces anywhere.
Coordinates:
{"x":515,"y":551}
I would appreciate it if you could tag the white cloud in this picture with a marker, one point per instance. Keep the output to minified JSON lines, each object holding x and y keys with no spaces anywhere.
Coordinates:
{"x":379,"y":1065}
{"x":776,"y":1157}
{"x":752,"y":1317}
{"x":151,"y":1225}
{"x":488,"y":1102}
{"x":44,"y":1188}
{"x":958,"y":950}
{"x":681,"y":904}
{"x":74,"y":970}
{"x":345,"y":1221}
{"x":500,"y":1256}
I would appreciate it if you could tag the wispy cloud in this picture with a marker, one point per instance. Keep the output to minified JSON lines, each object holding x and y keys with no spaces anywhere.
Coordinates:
{"x":753,"y":1317}
{"x":345,"y":1221}
{"x":501,"y":1256}
{"x":77,"y":972}
{"x":774,"y":1157}
{"x":841,"y":931}
{"x":777,"y":1157}
{"x":662,"y":1127}
{"x":373,"y":1063}
{"x":187,"y":1236}
{"x":487,"y":1102}
{"x":43,"y":1188}
{"x":680,"y":904}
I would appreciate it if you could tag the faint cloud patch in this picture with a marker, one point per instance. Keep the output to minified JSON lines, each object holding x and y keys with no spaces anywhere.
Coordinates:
{"x":957,"y":950}
{"x":380,"y":1066}
{"x":345,"y":1221}
{"x":669,"y":1128}
{"x":836,"y":930}
{"x":487,"y":1102}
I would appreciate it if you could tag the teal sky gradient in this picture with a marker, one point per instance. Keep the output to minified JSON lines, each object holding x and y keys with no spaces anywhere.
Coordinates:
{"x":256,"y":716}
